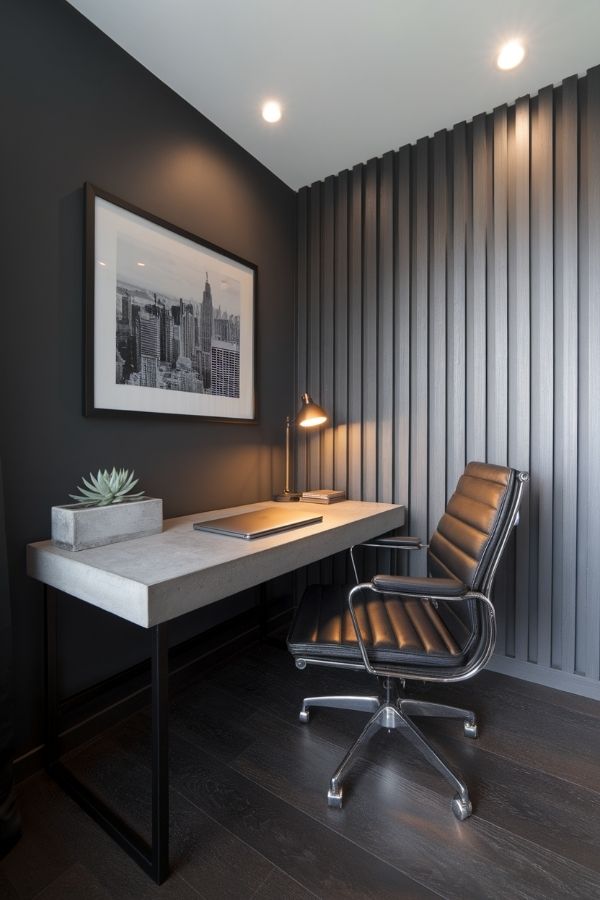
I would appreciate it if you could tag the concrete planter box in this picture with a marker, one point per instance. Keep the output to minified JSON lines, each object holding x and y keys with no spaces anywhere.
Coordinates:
{"x":79,"y":527}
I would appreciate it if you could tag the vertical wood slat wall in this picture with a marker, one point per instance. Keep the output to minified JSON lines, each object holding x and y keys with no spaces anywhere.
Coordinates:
{"x":448,"y":310}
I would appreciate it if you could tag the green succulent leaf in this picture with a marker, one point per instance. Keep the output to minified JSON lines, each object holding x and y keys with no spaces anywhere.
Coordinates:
{"x":106,"y":487}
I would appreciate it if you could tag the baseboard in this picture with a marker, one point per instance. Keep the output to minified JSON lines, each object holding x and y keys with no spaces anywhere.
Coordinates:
{"x":88,"y":714}
{"x":553,"y":678}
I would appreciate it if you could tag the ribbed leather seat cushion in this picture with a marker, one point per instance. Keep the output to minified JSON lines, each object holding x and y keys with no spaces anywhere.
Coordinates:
{"x":393,"y":629}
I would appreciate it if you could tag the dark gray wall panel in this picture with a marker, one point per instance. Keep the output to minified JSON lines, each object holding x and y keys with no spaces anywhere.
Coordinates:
{"x":467,"y":280}
{"x":81,"y":110}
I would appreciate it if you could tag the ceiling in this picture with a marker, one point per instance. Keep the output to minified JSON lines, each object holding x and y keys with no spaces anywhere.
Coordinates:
{"x":356,"y":77}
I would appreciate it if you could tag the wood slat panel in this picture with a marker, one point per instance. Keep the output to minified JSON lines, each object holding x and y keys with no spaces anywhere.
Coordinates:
{"x":385,"y":334}
{"x":402,"y":345}
{"x":565,"y":396}
{"x":419,"y":362}
{"x":340,"y":353}
{"x":448,"y":310}
{"x":519,"y":352}
{"x":437,"y":334}
{"x":370,"y":317}
{"x":588,"y":607}
{"x":355,"y":339}
{"x":301,"y":330}
{"x":326,"y":390}
{"x":497,"y":331}
{"x":497,"y":305}
{"x":312,"y":438}
{"x":476,"y":297}
{"x":456,"y":328}
{"x":542,"y":374}
{"x":340,"y":334}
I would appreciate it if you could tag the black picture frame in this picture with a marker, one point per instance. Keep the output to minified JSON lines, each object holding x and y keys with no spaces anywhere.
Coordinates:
{"x":137,"y":365}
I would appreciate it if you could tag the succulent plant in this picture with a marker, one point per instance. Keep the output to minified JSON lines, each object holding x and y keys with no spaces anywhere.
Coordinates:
{"x":105,"y":489}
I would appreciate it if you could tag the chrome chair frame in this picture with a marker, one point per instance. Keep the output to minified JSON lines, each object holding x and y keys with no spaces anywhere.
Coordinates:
{"x":393,"y":712}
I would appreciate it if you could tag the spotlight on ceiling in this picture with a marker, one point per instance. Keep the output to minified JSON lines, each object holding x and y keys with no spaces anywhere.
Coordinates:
{"x":271,"y":111}
{"x":511,"y":54}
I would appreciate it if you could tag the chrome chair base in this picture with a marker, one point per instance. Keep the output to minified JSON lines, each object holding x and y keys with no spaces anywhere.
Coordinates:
{"x":395,"y":713}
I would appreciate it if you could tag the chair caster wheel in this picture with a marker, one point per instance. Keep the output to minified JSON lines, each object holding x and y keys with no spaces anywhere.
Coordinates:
{"x":462,"y":809}
{"x":471,"y":730}
{"x":334,"y":798}
{"x":304,"y":715}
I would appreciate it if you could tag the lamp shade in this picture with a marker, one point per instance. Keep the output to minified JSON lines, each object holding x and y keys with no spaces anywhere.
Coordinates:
{"x":310,"y":414}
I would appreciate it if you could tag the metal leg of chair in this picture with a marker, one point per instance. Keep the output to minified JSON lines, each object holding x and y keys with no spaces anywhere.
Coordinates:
{"x":461,"y":804}
{"x":335,"y":792}
{"x":410,"y":707}
{"x":360,"y":704}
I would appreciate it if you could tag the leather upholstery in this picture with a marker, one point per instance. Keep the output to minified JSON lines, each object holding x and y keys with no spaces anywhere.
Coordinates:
{"x":393,"y":629}
{"x":419,"y":586}
{"x":413,"y":631}
{"x":466,"y":533}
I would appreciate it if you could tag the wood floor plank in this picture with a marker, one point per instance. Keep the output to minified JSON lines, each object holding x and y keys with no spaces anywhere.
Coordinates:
{"x":408,"y":824}
{"x":76,"y":883}
{"x":563,"y":699}
{"x":209,"y":858}
{"x":557,"y":738}
{"x":320,"y":860}
{"x":280,"y":886}
{"x":556,"y":814}
{"x":197,"y":713}
{"x":39,"y":858}
{"x":249,"y":815}
{"x":81,"y":840}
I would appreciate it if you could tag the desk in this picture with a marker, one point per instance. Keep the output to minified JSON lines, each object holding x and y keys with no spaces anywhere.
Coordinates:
{"x":153,"y":580}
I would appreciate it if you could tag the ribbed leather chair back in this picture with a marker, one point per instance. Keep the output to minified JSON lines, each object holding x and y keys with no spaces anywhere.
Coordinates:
{"x":468,"y":532}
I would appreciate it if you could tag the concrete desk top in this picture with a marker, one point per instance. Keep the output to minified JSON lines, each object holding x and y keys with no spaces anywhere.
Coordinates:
{"x":157,"y":578}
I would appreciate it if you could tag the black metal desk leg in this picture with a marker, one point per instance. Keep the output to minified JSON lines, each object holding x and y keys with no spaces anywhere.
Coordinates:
{"x":160,"y":753}
{"x":153,"y":859}
{"x":51,"y":752}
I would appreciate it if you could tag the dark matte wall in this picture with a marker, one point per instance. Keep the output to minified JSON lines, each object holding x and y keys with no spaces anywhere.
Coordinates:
{"x":74,"y":107}
{"x":449,"y":310}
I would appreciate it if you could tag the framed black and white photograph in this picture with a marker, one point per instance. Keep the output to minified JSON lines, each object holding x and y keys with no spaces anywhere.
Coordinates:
{"x":169,"y":318}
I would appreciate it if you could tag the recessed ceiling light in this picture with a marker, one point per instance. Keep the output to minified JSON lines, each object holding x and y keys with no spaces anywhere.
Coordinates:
{"x":511,"y":54}
{"x":141,"y":264}
{"x":101,"y":262}
{"x":271,"y":111}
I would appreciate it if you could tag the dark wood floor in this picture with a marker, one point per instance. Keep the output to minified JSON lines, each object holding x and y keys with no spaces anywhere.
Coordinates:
{"x":249,"y":811}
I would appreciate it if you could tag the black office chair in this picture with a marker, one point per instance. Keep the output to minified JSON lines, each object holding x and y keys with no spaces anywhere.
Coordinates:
{"x":436,"y":628}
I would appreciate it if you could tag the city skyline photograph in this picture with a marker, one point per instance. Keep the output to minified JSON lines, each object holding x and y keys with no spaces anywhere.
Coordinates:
{"x":175,"y":344}
{"x":173,"y":319}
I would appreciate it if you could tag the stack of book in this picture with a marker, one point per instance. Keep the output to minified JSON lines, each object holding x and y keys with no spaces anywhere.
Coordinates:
{"x":323,"y":496}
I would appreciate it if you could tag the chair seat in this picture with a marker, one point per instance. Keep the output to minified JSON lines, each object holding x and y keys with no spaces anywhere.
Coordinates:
{"x":394,"y":629}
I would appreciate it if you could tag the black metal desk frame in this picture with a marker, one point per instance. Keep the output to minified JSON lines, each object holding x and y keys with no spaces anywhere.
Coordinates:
{"x":360,"y":521}
{"x":154,"y":859}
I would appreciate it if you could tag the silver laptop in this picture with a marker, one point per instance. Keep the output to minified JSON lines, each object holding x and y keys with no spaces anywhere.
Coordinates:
{"x":259,"y":522}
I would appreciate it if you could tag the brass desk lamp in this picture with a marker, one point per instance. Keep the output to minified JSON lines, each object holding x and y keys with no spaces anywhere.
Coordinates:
{"x":310,"y":415}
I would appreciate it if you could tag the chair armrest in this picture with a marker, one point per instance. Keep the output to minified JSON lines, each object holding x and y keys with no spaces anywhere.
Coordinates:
{"x":416,"y":586}
{"x":395,"y":543}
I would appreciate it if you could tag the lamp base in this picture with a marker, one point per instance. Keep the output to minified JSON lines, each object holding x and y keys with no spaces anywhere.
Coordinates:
{"x":287,"y":497}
